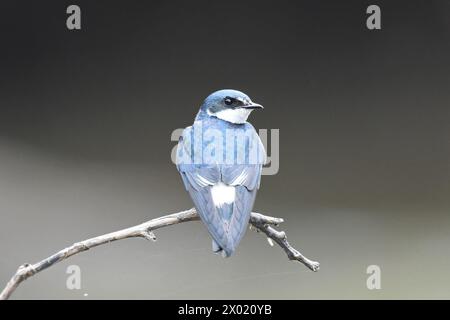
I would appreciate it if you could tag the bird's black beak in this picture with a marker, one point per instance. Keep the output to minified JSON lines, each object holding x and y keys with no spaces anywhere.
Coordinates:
{"x":252,"y":105}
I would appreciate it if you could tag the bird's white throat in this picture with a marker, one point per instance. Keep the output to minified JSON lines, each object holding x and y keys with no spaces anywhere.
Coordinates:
{"x":238,"y":115}
{"x":222,"y":194}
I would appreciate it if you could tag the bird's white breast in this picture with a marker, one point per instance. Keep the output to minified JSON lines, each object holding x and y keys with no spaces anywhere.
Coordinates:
{"x":222,"y":194}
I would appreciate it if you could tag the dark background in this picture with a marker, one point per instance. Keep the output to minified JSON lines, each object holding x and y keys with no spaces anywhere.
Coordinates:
{"x":364,"y":119}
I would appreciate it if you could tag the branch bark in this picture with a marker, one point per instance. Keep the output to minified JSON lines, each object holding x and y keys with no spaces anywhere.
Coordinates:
{"x":261,"y":222}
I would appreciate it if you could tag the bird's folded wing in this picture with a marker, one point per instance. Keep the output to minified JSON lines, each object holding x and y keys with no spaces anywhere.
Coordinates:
{"x":226,"y":223}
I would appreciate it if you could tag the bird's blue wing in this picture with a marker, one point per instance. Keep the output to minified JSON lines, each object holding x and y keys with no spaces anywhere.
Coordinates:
{"x":246,"y":180}
{"x":198,"y":180}
{"x":226,"y":223}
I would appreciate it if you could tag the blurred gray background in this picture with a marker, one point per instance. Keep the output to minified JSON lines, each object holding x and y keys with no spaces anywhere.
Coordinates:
{"x":364,"y":119}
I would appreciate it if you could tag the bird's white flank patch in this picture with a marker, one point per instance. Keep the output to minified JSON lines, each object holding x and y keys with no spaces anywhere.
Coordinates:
{"x":222,"y":194}
{"x":238,"y":115}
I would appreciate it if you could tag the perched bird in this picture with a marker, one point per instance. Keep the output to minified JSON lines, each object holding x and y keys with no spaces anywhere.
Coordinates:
{"x":220,"y":159}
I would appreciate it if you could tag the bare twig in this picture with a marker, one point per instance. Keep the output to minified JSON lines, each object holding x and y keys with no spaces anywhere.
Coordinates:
{"x":263,"y":223}
{"x":145,"y":230}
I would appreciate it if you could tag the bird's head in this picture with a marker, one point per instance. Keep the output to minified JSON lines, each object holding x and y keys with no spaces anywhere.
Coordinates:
{"x":229,"y":105}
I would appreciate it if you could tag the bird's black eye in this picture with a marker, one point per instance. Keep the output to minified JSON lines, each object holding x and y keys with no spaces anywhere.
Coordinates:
{"x":228,"y":100}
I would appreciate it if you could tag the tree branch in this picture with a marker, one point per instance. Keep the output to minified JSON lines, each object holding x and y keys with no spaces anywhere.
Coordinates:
{"x":145,"y":230}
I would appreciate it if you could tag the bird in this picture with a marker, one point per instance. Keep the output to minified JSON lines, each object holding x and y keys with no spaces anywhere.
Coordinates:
{"x":220,"y":159}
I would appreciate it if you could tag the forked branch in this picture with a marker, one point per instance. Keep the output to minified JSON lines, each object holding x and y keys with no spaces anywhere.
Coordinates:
{"x":261,"y":222}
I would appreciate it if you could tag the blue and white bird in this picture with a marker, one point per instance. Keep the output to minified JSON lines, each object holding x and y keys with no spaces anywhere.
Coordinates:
{"x":220,"y":159}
